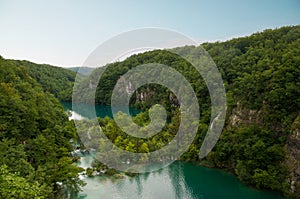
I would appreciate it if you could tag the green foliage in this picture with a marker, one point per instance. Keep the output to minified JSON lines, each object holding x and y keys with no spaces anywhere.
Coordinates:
{"x":35,"y":136}
{"x":251,"y":152}
{"x":14,"y":186}
{"x":89,"y":172}
{"x":156,"y":94}
{"x":260,"y":73}
{"x":55,"y":80}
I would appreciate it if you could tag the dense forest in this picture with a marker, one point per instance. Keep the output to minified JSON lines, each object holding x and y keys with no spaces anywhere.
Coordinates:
{"x":55,"y":80}
{"x":261,"y":74}
{"x":35,"y":136}
{"x":259,"y":142}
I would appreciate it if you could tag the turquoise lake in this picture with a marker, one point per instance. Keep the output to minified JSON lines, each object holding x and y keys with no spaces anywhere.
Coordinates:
{"x":179,"y":180}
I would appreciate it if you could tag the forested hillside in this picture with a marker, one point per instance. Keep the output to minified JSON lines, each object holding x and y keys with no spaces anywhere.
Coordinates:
{"x":260,"y":142}
{"x":35,"y":136}
{"x":55,"y":80}
{"x":261,"y":74}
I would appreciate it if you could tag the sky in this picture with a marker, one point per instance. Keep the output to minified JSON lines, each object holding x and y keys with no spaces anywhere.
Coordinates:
{"x":64,"y":33}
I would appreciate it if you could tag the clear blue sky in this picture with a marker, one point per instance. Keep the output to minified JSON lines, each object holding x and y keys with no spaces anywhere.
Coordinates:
{"x":64,"y":33}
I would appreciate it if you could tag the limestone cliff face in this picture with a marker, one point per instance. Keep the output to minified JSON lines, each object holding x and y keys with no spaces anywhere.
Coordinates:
{"x":293,"y":157}
{"x":130,"y":88}
{"x":242,"y":116}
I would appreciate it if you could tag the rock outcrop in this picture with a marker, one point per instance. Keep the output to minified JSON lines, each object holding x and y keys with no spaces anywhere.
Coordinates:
{"x":293,"y":157}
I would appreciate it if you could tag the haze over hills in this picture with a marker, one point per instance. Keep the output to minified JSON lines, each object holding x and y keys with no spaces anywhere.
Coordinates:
{"x":84,"y":70}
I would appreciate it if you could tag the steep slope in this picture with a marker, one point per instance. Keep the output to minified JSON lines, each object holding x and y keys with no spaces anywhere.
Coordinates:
{"x":261,"y":73}
{"x":55,"y":80}
{"x":35,"y":135}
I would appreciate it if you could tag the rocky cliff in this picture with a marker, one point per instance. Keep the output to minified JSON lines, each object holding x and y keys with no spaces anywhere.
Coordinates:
{"x":240,"y":116}
{"x":293,"y":157}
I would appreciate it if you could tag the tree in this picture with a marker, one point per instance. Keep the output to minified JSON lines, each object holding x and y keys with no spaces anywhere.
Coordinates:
{"x":14,"y":186}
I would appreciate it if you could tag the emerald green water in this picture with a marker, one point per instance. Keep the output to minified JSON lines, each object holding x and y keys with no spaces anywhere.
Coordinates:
{"x":86,"y":110}
{"x":179,"y":180}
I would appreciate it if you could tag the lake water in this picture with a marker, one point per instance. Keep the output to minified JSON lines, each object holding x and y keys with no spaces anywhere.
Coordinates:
{"x":179,"y":180}
{"x":86,"y":110}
